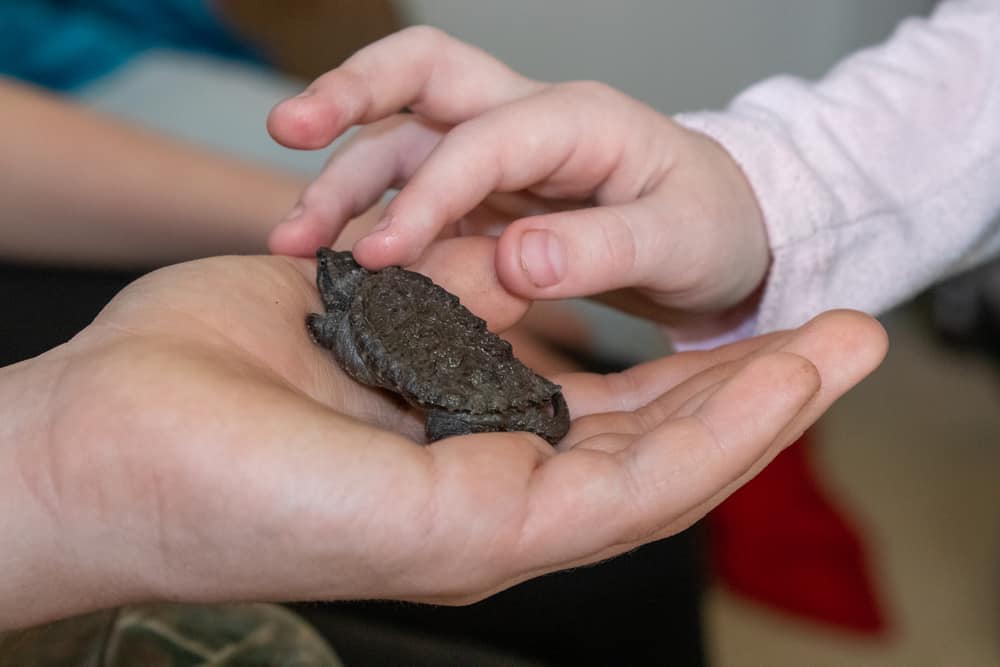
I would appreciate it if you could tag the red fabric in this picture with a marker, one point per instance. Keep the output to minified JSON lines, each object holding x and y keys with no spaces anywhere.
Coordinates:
{"x":780,"y":541}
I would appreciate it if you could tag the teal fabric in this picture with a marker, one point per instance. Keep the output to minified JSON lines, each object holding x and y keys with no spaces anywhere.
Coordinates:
{"x":62,"y":44}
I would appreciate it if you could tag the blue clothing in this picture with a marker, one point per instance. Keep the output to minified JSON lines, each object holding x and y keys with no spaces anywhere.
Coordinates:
{"x":62,"y":44}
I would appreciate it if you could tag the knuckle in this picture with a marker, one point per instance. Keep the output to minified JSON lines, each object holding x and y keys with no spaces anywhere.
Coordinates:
{"x":618,"y":243}
{"x":624,"y":387}
{"x":426,"y":36}
{"x":590,"y":90}
{"x":313,"y":196}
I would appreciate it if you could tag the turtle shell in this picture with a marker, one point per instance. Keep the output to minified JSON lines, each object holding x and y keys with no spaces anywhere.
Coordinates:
{"x":418,"y":340}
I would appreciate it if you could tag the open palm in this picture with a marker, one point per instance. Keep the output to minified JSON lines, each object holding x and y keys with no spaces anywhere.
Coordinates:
{"x":199,"y":447}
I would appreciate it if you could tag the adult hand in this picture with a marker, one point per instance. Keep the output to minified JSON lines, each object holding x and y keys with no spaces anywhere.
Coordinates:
{"x":192,"y":444}
{"x":590,"y":192}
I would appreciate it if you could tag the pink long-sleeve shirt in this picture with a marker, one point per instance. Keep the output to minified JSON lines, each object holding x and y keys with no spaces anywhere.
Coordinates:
{"x":882,"y":177}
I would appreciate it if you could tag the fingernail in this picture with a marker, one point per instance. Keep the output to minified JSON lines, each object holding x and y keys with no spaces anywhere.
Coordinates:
{"x":542,"y":258}
{"x":295,"y":213}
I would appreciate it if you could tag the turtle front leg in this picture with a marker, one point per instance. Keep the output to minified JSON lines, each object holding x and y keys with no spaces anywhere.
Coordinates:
{"x":329,"y":332}
{"x":322,"y":329}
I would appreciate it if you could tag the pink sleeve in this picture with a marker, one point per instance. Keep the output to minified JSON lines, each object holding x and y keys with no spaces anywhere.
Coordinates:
{"x":879,"y":179}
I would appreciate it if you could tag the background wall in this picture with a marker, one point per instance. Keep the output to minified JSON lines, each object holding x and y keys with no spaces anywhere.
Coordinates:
{"x":679,"y":55}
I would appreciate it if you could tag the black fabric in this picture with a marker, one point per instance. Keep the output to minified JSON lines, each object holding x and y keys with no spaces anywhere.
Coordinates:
{"x":43,"y":307}
{"x":642,"y":608}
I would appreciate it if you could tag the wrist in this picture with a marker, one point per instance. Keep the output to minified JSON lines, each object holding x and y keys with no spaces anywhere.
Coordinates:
{"x":743,"y":254}
{"x":45,"y":570}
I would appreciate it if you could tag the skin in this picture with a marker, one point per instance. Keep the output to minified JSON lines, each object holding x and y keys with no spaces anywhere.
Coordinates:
{"x":138,"y":199}
{"x":193,"y":444}
{"x":590,"y":192}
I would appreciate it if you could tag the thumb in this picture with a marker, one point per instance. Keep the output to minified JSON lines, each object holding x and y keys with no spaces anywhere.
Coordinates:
{"x":595,"y":250}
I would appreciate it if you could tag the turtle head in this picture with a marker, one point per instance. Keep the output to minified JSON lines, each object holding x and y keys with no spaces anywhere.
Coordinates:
{"x":337,"y":277}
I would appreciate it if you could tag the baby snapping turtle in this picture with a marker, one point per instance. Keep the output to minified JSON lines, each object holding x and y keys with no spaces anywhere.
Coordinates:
{"x":398,"y":330}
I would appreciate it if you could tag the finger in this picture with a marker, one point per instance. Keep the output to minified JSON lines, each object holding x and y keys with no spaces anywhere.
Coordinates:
{"x":357,"y":176}
{"x":591,"y":251}
{"x":492,"y":153}
{"x":592,"y":393}
{"x":585,"y":501}
{"x":545,"y":143}
{"x":680,"y":399}
{"x":589,"y":431}
{"x":421,"y":68}
{"x":703,"y":373}
{"x":845,"y":347}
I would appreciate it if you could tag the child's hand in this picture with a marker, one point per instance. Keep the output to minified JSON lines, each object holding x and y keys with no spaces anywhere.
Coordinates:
{"x":590,"y":191}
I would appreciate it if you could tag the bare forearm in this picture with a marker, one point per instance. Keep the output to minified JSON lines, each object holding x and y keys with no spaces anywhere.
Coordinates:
{"x":84,"y":189}
{"x":42,"y":579}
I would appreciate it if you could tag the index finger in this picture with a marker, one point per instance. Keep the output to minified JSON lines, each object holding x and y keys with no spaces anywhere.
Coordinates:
{"x":419,"y":68}
{"x":633,"y":388}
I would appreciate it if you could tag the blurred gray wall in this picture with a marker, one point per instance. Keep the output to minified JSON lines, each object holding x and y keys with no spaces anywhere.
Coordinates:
{"x":676,"y":55}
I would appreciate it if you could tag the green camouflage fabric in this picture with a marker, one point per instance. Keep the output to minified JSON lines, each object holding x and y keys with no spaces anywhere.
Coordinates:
{"x":236,"y":635}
